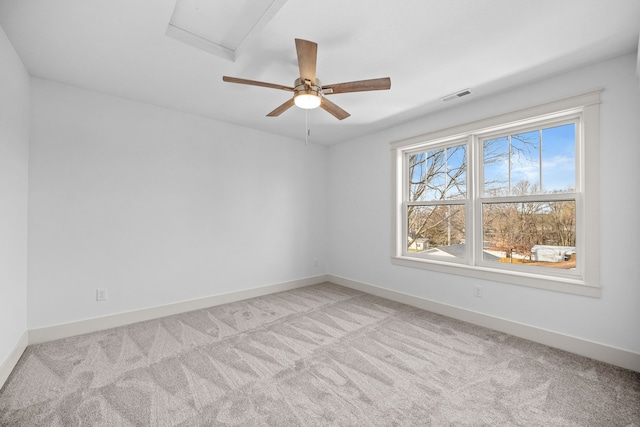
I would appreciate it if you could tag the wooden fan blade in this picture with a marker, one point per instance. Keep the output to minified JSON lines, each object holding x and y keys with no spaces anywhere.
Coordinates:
{"x":307,"y":56}
{"x":333,"y":109}
{"x":358,"y":86}
{"x":281,"y":109}
{"x":255,"y":83}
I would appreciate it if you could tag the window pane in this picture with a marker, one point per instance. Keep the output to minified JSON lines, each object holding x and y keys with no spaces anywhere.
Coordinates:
{"x":438,"y":174}
{"x":456,"y":172}
{"x":496,"y":166}
{"x":525,"y":163}
{"x":417,"y":173}
{"x":436,"y":230}
{"x":531,"y":233}
{"x":535,"y":162}
{"x":559,"y":159}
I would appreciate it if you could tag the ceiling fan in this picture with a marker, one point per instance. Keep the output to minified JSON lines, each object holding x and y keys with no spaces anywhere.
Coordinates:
{"x":308,"y":91}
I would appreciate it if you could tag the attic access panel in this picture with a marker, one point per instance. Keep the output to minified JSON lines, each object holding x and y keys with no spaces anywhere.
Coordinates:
{"x":220,"y":27}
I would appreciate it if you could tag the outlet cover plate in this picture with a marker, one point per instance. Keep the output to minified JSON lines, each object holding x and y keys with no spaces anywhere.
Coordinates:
{"x":101,"y":294}
{"x":477,"y":291}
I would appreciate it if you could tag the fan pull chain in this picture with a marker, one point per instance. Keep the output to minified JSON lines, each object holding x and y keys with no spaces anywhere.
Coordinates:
{"x":307,"y":131}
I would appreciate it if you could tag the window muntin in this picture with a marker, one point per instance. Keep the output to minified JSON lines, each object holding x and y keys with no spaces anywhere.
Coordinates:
{"x":561,"y":171}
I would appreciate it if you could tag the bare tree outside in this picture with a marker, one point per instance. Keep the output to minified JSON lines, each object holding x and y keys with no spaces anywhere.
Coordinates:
{"x":525,"y":164}
{"x":437,"y":178}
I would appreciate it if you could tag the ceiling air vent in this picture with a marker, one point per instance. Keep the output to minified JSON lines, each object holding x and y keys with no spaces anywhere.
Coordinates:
{"x":459,"y":94}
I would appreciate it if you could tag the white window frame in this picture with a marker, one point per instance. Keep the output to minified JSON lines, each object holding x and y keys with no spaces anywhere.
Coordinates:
{"x":585,"y":280}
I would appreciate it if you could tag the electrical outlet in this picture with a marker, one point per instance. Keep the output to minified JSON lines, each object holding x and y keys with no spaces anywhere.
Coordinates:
{"x":315,"y":262}
{"x":101,"y":294}
{"x":477,"y":291}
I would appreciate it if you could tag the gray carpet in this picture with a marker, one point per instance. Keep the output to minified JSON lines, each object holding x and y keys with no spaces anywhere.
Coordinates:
{"x":323,"y":355}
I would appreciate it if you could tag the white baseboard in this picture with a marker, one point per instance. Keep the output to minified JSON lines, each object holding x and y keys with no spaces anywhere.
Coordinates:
{"x":10,"y":362}
{"x":615,"y":356}
{"x":604,"y":353}
{"x":65,"y":330}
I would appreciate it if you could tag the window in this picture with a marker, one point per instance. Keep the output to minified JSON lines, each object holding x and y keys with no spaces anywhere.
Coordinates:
{"x":512,"y":198}
{"x":437,"y":201}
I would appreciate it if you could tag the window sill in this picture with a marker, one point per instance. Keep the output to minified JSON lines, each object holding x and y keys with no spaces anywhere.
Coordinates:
{"x":566,"y":285}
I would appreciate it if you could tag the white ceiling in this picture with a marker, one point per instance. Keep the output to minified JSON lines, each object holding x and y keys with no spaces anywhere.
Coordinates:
{"x":429,"y":48}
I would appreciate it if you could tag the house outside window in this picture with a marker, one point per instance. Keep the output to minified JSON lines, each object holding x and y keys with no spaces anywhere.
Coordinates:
{"x":512,"y":198}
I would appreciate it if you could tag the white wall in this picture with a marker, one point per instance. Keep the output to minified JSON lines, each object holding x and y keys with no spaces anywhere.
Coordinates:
{"x":14,"y":150}
{"x":159,"y":206}
{"x":360,"y":214}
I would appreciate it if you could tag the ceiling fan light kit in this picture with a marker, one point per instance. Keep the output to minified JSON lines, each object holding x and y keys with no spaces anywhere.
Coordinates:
{"x":306,"y":95}
{"x":308,"y":92}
